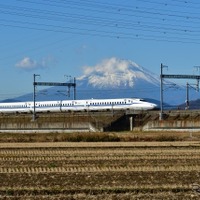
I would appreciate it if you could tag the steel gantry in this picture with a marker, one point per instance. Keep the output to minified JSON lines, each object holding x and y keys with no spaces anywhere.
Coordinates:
{"x":173,"y":76}
{"x":69,"y":85}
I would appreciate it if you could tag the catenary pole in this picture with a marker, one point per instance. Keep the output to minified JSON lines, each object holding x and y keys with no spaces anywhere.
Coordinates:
{"x":161,"y":92}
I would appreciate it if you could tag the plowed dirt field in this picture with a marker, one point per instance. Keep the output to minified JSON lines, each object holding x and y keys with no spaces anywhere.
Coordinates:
{"x":91,"y":171}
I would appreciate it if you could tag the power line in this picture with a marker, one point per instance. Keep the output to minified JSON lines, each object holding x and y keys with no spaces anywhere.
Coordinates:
{"x":167,"y":30}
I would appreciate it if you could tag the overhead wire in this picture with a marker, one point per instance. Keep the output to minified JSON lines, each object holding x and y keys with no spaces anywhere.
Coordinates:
{"x":100,"y":7}
{"x":117,"y":25}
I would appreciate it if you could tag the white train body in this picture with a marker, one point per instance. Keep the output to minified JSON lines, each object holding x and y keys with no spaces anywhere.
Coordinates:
{"x":77,"y":105}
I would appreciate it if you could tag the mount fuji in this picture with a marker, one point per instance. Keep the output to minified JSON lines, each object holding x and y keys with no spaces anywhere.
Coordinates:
{"x":117,"y":78}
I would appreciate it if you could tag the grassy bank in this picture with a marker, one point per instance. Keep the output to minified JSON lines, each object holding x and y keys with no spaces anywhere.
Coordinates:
{"x":100,"y":137}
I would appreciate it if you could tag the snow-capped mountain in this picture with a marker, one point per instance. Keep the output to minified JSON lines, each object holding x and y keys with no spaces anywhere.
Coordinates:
{"x":116,"y":73}
{"x":117,"y":78}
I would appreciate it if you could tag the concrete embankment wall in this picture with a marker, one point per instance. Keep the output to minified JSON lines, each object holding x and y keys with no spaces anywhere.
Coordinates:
{"x":100,"y":121}
{"x":59,"y":122}
{"x":23,"y":123}
{"x":179,"y":120}
{"x":178,"y":125}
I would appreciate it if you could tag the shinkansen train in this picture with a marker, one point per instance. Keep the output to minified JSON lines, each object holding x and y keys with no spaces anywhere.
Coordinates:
{"x":77,"y":105}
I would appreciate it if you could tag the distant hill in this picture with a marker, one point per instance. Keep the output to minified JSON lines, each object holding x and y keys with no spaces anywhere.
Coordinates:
{"x":10,"y":100}
{"x":195,"y":104}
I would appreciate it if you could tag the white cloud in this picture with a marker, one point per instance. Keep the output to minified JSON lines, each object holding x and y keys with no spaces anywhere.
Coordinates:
{"x":29,"y":64}
{"x":108,"y":66}
{"x":26,"y":63}
{"x":112,"y":71}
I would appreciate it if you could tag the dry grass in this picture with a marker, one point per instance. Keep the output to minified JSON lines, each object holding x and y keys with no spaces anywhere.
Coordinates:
{"x":100,"y":137}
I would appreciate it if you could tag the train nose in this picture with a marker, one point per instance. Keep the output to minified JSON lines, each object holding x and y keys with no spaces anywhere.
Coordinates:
{"x":154,"y":106}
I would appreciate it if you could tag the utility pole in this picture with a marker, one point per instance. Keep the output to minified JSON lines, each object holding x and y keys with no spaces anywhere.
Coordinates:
{"x":187,"y":96}
{"x":197,"y":69}
{"x":74,"y":88}
{"x":34,"y":95}
{"x":161,"y":91}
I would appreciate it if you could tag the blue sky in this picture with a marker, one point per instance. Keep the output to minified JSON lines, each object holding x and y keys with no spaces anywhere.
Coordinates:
{"x":55,"y":38}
